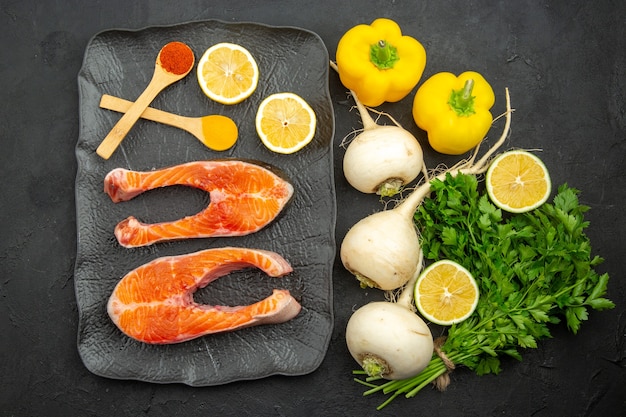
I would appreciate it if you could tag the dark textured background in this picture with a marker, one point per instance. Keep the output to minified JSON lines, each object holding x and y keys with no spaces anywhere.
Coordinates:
{"x":565,"y":65}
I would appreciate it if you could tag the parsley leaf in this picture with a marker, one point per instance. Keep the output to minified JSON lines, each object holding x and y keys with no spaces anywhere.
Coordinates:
{"x":533,"y":270}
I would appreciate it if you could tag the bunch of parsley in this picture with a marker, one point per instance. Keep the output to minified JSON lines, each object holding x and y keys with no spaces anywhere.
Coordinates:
{"x":533,"y":270}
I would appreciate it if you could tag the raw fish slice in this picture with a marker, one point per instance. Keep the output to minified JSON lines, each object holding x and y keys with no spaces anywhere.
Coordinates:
{"x":154,"y":303}
{"x":244,"y":198}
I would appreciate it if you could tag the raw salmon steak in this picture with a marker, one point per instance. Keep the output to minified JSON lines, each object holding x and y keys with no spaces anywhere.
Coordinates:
{"x":244,"y":198}
{"x":154,"y":303}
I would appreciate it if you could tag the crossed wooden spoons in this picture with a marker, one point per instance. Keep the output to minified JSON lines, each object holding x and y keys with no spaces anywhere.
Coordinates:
{"x":215,"y":131}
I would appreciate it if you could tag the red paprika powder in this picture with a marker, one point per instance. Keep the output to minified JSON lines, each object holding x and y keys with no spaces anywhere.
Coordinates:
{"x":176,"y":57}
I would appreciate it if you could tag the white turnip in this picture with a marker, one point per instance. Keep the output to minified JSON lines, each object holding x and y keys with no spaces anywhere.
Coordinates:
{"x":383,"y":249}
{"x":389,"y":340}
{"x":381,"y":159}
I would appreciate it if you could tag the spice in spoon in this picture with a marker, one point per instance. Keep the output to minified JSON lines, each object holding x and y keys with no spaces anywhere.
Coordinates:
{"x":173,"y":63}
{"x":176,"y":57}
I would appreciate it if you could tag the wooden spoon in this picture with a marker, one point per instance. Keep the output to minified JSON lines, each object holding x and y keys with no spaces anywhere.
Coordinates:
{"x":215,"y":131}
{"x":161,"y":78}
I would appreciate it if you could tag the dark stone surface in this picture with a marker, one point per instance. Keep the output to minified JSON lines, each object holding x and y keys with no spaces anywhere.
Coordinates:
{"x":565,"y":65}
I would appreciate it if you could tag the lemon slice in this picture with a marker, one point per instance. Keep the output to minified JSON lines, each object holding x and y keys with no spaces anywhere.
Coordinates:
{"x":285,"y":122}
{"x":446,"y":293}
{"x":228,"y":73}
{"x":518,"y":181}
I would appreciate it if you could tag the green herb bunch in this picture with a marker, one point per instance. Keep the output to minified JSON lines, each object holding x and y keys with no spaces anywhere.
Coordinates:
{"x":533,"y":270}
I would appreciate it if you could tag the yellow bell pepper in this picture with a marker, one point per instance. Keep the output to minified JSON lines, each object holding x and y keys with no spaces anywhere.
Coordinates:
{"x":454,"y":111}
{"x":378,"y":63}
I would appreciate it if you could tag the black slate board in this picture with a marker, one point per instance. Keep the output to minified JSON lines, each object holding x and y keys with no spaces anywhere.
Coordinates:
{"x":120,"y":63}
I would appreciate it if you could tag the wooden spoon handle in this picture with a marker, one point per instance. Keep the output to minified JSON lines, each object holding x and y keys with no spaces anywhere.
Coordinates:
{"x":120,"y":105}
{"x":159,"y":81}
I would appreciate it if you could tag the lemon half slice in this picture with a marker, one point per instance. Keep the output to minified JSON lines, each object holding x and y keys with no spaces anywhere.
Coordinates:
{"x":285,"y":122}
{"x":518,"y":181}
{"x":227,"y":73}
{"x":446,"y":293}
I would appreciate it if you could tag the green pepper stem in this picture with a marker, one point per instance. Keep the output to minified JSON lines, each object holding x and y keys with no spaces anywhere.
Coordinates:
{"x":462,"y":101}
{"x":466,"y":95}
{"x":383,"y":51}
{"x":383,"y":55}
